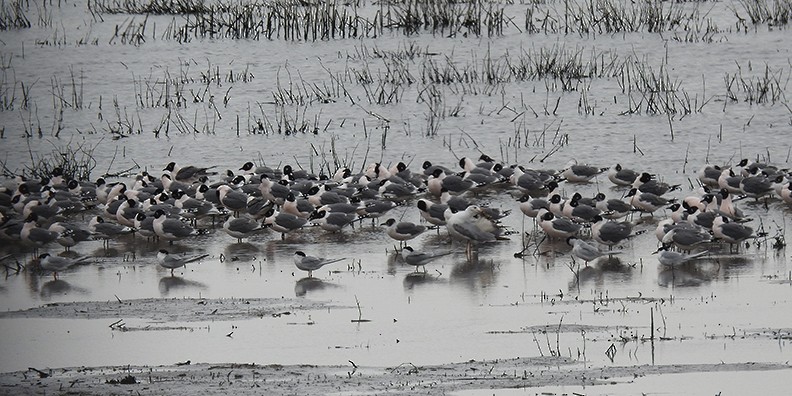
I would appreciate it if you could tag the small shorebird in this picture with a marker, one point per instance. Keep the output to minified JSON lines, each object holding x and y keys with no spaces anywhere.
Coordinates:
{"x":172,"y":262}
{"x":57,"y":263}
{"x":311,"y":263}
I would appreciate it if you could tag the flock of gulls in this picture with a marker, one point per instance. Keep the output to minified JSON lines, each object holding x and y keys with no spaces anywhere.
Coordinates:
{"x":184,"y":200}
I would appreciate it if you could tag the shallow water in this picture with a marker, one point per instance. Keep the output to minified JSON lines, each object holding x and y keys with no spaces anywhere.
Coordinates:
{"x":723,"y":309}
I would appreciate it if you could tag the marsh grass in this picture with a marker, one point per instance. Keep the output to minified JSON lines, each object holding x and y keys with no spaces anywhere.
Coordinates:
{"x":13,"y":15}
{"x":165,"y":91}
{"x":313,"y":21}
{"x":285,"y":121}
{"x":153,"y":7}
{"x":468,"y":74}
{"x":588,"y":17}
{"x":68,"y":94}
{"x":653,"y":90}
{"x":287,"y":20}
{"x":75,"y":159}
{"x":195,"y":98}
{"x":308,"y":21}
{"x":446,"y":17}
{"x":767,"y":87}
{"x":405,"y":50}
{"x":772,"y":12}
{"x":130,"y":32}
{"x":295,"y":90}
{"x":14,"y":95}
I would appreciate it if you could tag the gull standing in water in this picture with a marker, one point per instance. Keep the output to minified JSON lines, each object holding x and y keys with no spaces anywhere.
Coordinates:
{"x":241,"y":227}
{"x":612,"y":208}
{"x":575,"y":173}
{"x":472,"y":226}
{"x":283,"y":222}
{"x":646,"y":184}
{"x":188,"y":173}
{"x":311,"y":263}
{"x":403,"y":230}
{"x":432,"y":212}
{"x":708,"y":175}
{"x":610,"y":232}
{"x":233,"y":200}
{"x":171,"y":229}
{"x":686,"y":239}
{"x":731,"y":233}
{"x":557,"y":227}
{"x":756,"y":186}
{"x":646,"y":202}
{"x":622,"y":176}
{"x":69,"y":234}
{"x":106,"y":231}
{"x":531,"y":206}
{"x":34,"y":235}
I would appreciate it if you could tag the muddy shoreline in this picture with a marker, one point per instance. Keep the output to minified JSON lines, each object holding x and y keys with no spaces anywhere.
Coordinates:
{"x":173,"y":309}
{"x":185,"y":378}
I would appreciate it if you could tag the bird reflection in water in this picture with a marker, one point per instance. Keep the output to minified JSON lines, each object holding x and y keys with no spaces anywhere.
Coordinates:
{"x":420,"y":278}
{"x":171,"y":284}
{"x":311,"y":284}
{"x":241,"y":252}
{"x":59,"y":287}
{"x":394,"y":261}
{"x":476,"y":273}
{"x":690,"y":274}
{"x":734,"y":264}
{"x":603,"y":270}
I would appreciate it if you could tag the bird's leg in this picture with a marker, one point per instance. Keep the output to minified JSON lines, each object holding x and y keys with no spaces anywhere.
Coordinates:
{"x":538,"y":244}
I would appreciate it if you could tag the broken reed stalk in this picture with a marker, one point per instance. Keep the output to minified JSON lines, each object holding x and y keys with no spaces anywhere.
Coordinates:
{"x":651,"y":323}
{"x":360,"y":313}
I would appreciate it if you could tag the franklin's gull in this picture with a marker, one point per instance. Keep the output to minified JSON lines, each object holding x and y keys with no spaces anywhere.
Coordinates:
{"x":729,"y":232}
{"x":622,"y":176}
{"x":403,"y":230}
{"x":171,"y":229}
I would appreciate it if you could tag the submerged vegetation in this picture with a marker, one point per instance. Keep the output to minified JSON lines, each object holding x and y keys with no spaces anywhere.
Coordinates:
{"x":772,"y":12}
{"x":414,"y":85}
{"x":73,"y":160}
{"x":13,"y":15}
{"x":324,"y":20}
